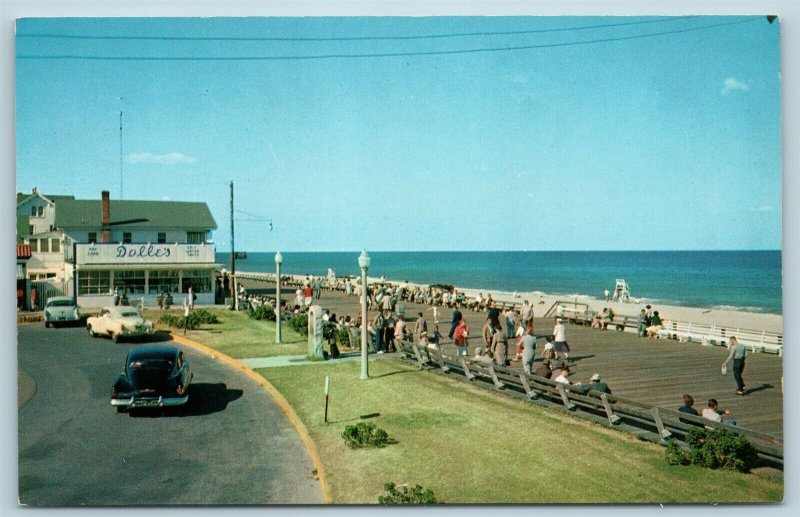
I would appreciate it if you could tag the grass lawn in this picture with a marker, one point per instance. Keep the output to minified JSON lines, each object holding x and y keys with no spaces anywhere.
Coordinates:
{"x":470,"y":445}
{"x":239,"y":336}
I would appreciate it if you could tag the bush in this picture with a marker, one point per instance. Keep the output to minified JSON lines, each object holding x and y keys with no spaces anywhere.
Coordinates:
{"x":196,"y":318}
{"x":365,"y":435}
{"x":713,"y":449}
{"x":262,"y":312}
{"x":300,"y":324}
{"x":343,"y":337}
{"x":402,"y":495}
{"x":675,"y":455}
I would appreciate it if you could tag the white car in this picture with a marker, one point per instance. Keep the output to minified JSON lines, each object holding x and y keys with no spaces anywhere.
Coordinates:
{"x":119,"y":322}
{"x":60,"y":309}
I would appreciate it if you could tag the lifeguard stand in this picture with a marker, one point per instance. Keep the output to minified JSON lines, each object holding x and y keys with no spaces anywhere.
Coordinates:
{"x":622,"y":293}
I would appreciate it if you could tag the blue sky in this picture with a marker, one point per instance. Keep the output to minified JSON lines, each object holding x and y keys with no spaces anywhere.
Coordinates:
{"x":599,"y":137}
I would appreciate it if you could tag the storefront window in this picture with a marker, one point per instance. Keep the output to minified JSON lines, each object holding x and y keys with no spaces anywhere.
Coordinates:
{"x":94,"y":282}
{"x":200,"y":280}
{"x":163,"y":281}
{"x":132,"y":281}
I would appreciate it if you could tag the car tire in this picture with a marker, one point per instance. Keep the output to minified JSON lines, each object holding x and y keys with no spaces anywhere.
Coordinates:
{"x":121,"y":409}
{"x":47,"y":324}
{"x":92,"y":333}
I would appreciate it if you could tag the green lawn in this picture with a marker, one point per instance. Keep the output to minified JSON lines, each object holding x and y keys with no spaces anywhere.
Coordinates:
{"x":239,"y":336}
{"x":470,"y":445}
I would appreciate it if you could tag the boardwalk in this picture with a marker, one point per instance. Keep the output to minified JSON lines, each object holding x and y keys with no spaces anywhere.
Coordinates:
{"x":656,"y":372}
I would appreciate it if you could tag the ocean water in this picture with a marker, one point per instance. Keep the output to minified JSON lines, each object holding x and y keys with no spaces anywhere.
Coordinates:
{"x":737,"y":280}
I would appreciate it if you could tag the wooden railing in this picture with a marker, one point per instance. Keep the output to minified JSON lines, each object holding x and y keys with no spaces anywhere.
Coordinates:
{"x":648,"y":422}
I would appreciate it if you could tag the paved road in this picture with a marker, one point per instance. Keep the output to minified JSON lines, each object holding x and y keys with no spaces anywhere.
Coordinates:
{"x":230,"y":445}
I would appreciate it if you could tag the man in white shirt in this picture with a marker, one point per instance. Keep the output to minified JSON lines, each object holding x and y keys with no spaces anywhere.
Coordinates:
{"x":560,"y":341}
{"x":562,"y":377}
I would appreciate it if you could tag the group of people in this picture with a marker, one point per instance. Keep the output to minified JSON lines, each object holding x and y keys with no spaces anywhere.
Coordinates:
{"x":712,"y":412}
{"x":649,"y":323}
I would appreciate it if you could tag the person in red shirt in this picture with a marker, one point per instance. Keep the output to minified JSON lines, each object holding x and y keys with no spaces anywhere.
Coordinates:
{"x":308,"y":294}
{"x":460,"y":335}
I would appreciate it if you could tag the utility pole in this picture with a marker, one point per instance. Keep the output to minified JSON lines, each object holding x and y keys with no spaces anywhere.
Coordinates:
{"x":121,"y":193}
{"x":233,"y":261}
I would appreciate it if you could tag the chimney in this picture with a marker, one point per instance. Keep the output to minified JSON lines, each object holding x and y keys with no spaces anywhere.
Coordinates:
{"x":34,"y":190}
{"x":105,"y":217}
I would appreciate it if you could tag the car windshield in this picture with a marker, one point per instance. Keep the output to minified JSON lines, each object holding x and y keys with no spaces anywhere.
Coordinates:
{"x":129,"y":314}
{"x":59,"y":303}
{"x":152,"y":364}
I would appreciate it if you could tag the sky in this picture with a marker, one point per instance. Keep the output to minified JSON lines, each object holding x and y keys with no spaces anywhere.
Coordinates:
{"x":426,"y":133}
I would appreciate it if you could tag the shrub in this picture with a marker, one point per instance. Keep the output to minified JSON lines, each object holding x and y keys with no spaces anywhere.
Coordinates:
{"x":713,"y":449}
{"x":196,"y":318}
{"x":300,"y":324}
{"x":402,"y":495}
{"x":364,"y":434}
{"x":675,"y":455}
{"x":262,"y":312}
{"x":343,"y":337}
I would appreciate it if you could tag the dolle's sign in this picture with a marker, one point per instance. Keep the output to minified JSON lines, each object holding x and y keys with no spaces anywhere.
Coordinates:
{"x":115,"y":253}
{"x":144,"y":250}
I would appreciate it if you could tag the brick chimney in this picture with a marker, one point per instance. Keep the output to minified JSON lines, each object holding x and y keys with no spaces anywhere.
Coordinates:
{"x":105,"y":216}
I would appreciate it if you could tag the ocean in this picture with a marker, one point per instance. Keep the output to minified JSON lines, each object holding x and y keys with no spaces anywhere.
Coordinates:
{"x":735,"y":280}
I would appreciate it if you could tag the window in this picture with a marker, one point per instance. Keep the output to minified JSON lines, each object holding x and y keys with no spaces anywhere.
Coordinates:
{"x":33,"y":211}
{"x":195,"y":237}
{"x":200,"y":280}
{"x":30,"y":230}
{"x":94,"y":282}
{"x":133,"y":281}
{"x":20,"y":272}
{"x":55,"y":245}
{"x":44,"y":245}
{"x":40,"y":211}
{"x":126,"y":238}
{"x":92,"y":236}
{"x":34,"y":245}
{"x":163,"y":281}
{"x":162,"y":237}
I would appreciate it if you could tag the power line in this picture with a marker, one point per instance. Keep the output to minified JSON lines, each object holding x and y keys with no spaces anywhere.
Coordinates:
{"x":380,"y":54}
{"x":351,"y":38}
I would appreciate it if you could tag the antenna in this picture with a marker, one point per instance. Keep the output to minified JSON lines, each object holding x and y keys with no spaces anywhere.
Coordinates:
{"x":121,"y":192}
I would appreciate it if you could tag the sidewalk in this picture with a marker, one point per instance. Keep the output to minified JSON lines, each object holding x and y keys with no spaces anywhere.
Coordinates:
{"x":301,"y":360}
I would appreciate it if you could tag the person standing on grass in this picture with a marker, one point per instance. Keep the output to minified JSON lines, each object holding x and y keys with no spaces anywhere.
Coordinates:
{"x":737,"y":355}
{"x":185,"y":316}
{"x":560,"y":345}
{"x":528,"y":342}
{"x":377,"y":325}
{"x":460,"y":334}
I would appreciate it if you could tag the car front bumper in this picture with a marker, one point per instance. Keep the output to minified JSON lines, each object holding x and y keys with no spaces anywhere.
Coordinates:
{"x":138,"y":402}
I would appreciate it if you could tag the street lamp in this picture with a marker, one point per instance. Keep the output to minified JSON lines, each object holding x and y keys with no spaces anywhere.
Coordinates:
{"x":363,"y":263}
{"x":278,"y":260}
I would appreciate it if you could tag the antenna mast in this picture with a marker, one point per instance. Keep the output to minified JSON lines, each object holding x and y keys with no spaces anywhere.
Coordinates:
{"x":121,"y":192}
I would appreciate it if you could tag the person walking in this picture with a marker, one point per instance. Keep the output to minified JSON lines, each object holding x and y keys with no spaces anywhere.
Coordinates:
{"x":560,"y":345}
{"x":377,"y":325}
{"x":528,"y":342}
{"x":500,"y":347}
{"x":420,"y":326}
{"x":185,"y":316}
{"x":737,"y":355}
{"x":461,"y":334}
{"x":457,"y":317}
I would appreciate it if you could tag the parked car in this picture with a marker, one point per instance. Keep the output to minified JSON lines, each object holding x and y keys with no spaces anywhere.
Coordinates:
{"x":119,"y":322}
{"x":60,"y":309}
{"x":154,"y":376}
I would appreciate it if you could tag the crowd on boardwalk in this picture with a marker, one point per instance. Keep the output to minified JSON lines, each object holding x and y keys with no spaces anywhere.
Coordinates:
{"x":507,"y":335}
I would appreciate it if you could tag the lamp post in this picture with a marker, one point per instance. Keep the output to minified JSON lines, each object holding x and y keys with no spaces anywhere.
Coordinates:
{"x":278,"y":260}
{"x":363,"y":263}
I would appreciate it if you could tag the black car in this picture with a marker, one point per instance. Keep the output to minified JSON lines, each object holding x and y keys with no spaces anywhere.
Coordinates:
{"x":154,"y":376}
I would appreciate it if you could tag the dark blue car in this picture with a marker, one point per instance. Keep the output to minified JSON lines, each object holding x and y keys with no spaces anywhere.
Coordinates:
{"x":154,"y":376}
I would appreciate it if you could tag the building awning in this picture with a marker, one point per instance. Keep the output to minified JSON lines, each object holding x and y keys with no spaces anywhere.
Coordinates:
{"x":148,"y":267}
{"x":23,"y":251}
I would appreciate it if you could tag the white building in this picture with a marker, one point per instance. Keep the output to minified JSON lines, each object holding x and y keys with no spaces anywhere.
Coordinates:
{"x":138,"y":247}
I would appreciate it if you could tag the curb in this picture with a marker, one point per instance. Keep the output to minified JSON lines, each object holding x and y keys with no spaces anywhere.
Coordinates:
{"x":283,"y":404}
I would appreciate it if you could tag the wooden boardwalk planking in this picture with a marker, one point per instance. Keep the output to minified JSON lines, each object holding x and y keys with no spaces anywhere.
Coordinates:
{"x":656,"y":372}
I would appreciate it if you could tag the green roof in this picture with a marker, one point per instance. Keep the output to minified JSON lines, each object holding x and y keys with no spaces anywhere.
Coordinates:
{"x":85,"y":214}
